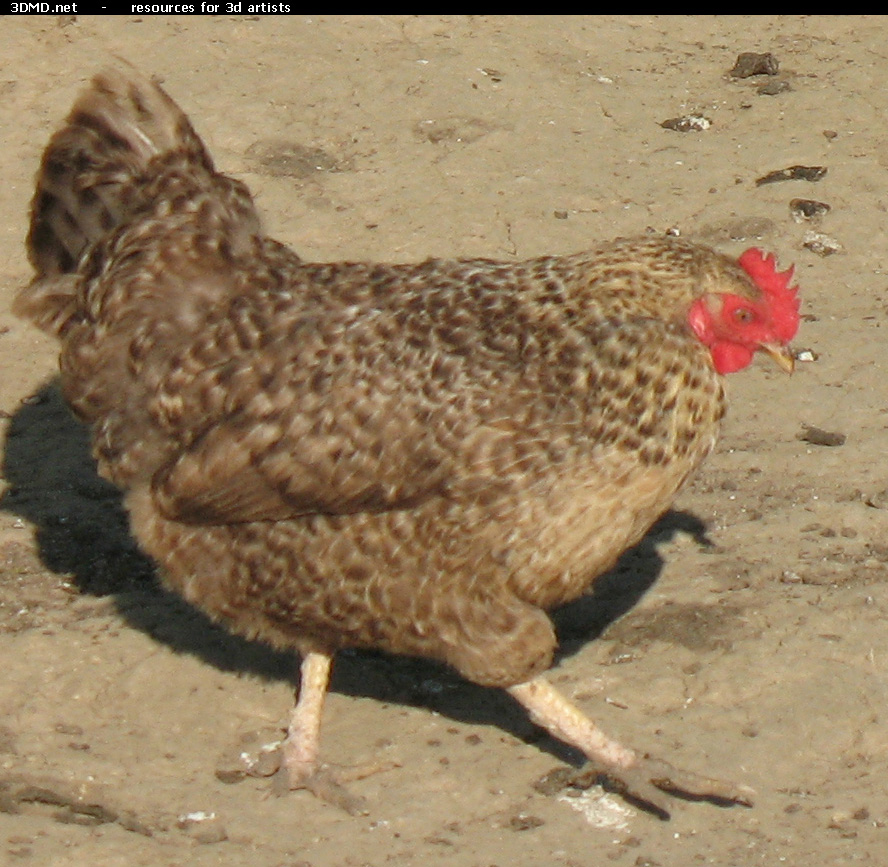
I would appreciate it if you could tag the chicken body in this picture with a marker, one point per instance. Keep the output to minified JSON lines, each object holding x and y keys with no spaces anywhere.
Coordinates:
{"x":418,"y":458}
{"x":379,"y":462}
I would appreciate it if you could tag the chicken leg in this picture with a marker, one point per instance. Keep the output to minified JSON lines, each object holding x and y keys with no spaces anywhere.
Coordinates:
{"x":299,"y":762}
{"x":638,"y":778}
{"x":300,"y":756}
{"x":300,"y":768}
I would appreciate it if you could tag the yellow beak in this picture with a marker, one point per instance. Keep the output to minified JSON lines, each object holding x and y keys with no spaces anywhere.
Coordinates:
{"x":783,"y":355}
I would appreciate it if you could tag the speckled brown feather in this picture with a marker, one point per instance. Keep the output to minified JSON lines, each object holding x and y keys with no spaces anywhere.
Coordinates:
{"x":419,"y":458}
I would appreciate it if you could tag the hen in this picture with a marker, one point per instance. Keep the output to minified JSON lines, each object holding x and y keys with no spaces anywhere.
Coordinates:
{"x":418,"y":458}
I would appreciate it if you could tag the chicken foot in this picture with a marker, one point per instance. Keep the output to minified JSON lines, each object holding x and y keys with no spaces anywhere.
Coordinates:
{"x":638,"y":778}
{"x":300,"y":768}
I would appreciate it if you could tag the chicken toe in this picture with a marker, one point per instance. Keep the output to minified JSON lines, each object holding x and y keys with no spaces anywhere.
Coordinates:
{"x":638,"y":778}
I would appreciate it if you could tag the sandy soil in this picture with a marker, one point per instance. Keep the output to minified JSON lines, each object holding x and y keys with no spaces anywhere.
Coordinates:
{"x":744,"y":638}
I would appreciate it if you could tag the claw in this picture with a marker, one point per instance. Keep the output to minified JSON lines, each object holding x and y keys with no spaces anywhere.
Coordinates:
{"x":646,"y":783}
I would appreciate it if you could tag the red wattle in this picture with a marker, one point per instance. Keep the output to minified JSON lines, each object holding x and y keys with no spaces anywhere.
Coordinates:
{"x":730,"y":357}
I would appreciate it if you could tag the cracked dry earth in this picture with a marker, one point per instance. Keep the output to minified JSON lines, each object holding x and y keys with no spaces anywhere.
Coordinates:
{"x":745,"y":637}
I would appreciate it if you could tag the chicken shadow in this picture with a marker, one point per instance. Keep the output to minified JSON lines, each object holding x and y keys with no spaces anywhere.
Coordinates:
{"x":81,"y":531}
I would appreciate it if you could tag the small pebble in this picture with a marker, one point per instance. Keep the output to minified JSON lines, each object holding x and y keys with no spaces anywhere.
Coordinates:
{"x":554,"y":781}
{"x":688,"y":123}
{"x":879,"y":500}
{"x":749,"y":63}
{"x":820,"y":437}
{"x":822,"y":245}
{"x":524,"y":822}
{"x":204,"y":828}
{"x":773,"y":88}
{"x":807,"y":209}
{"x":258,"y":754}
{"x":793,"y":173}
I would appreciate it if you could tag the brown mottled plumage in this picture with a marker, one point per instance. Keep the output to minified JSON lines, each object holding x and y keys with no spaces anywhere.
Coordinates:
{"x":418,"y":458}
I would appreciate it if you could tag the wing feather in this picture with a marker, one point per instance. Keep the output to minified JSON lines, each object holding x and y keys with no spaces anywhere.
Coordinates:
{"x":326,"y":417}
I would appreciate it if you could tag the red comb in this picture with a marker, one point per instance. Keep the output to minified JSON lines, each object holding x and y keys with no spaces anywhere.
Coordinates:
{"x":782,"y":298}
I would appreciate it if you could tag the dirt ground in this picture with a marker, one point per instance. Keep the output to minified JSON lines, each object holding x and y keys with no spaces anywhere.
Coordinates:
{"x":745,"y":637}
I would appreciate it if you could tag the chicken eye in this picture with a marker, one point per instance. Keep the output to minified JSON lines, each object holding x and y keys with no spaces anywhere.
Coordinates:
{"x":743,"y":315}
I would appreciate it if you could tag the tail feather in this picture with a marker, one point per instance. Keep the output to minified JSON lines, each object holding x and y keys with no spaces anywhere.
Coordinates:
{"x":94,"y":167}
{"x":125,"y":152}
